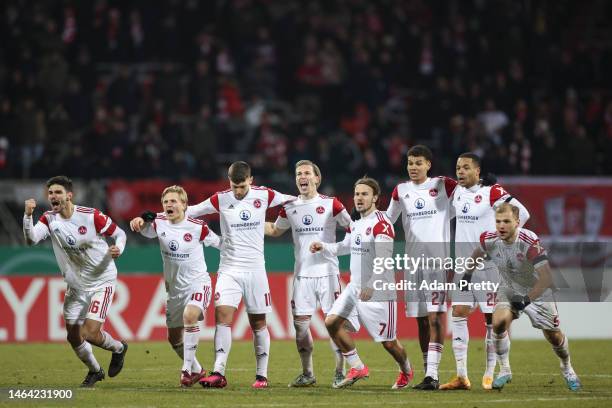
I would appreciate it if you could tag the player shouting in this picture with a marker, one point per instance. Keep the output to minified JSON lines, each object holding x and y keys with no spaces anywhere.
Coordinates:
{"x":187,"y":282}
{"x":312,"y":217}
{"x":87,"y":264}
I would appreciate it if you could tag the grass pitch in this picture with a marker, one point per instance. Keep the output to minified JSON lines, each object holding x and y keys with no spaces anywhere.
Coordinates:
{"x":151,"y":374}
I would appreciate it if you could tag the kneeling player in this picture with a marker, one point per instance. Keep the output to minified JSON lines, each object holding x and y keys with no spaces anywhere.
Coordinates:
{"x":88,"y":267}
{"x":187,"y":281}
{"x":369,"y":237}
{"x":525,"y":288}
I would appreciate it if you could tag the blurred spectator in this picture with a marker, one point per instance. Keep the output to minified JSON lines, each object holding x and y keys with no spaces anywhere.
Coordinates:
{"x":123,"y":89}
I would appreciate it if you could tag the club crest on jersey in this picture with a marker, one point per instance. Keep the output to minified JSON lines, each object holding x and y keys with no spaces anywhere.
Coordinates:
{"x":478,"y":199}
{"x":217,"y":295}
{"x":358,"y":239}
{"x":419,"y":203}
{"x":307,"y":219}
{"x":466,"y":208}
{"x":320,"y":209}
{"x":82,"y":230}
{"x":433,"y":192}
{"x":173,"y":245}
{"x":187,"y":237}
{"x":245,"y":215}
{"x":520,"y":256}
{"x":257,"y":203}
{"x":70,"y":240}
{"x":369,"y":230}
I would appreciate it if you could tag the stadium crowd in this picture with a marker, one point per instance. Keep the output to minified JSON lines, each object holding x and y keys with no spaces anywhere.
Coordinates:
{"x":124,"y":89}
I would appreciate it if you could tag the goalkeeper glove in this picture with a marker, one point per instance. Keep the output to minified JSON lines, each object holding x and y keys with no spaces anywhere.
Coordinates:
{"x":519,"y":302}
{"x":148,"y":216}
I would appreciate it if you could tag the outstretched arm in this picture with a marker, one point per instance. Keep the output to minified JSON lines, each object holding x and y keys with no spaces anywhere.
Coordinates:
{"x":273,"y":230}
{"x":208,"y":206}
{"x":336,"y":249}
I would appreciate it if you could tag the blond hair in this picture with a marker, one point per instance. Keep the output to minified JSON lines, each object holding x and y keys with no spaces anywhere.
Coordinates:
{"x":175,"y":189}
{"x":315,"y":168}
{"x":508,"y":207}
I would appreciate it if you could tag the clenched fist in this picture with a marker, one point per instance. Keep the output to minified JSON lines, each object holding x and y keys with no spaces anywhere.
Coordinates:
{"x":316,"y":247}
{"x":114,"y":251}
{"x":30,"y":205}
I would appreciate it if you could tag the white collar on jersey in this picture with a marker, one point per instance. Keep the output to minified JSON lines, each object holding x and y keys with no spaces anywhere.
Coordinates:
{"x":422,"y":185}
{"x":371,"y":215}
{"x":310,"y":200}
{"x":474,"y":188}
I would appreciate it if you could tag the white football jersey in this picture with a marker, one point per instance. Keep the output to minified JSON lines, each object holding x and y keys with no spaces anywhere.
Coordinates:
{"x":311,"y":221}
{"x":242,"y":226}
{"x":474,"y":209}
{"x":516,"y":262}
{"x":426,"y":213}
{"x":360,"y":241}
{"x":182,"y":251}
{"x":80,"y":249}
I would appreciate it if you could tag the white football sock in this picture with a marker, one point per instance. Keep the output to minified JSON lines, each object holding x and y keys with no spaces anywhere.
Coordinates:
{"x":502,"y":349}
{"x":85,"y":353}
{"x":223,"y":344}
{"x":433,"y":360}
{"x":490,"y":350}
{"x":110,"y":344}
{"x":190,"y":346}
{"x":353,"y":360}
{"x":303,"y":340}
{"x":461,"y":339}
{"x":261,"y":341}
{"x":562,"y":351}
